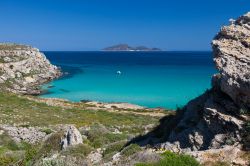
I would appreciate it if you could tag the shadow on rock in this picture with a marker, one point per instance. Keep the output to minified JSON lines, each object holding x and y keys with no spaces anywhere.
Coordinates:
{"x":210,"y":121}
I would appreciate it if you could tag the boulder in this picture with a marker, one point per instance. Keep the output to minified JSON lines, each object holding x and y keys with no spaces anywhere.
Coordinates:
{"x":71,"y":137}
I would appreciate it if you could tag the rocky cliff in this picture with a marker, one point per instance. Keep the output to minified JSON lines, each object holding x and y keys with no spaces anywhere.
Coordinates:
{"x":217,"y":118}
{"x":232,"y":57}
{"x":24,"y":68}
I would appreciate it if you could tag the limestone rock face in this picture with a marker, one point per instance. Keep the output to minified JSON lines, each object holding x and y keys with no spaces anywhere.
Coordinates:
{"x":24,"y":68}
{"x":207,"y":123}
{"x":232,"y":57}
{"x":71,"y":137}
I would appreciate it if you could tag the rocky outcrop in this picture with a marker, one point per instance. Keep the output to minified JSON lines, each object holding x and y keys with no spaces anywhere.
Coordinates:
{"x":227,"y":154}
{"x":24,"y":68}
{"x":30,"y":135}
{"x":208,"y":122}
{"x":71,"y":137}
{"x":216,"y":119}
{"x":232,"y":57}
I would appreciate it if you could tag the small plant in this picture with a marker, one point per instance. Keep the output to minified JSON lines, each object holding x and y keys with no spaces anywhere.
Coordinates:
{"x":30,"y":153}
{"x":230,"y":141}
{"x":11,"y":66}
{"x":47,"y":131}
{"x":131,"y":149}
{"x":78,"y":150}
{"x":114,"y":147}
{"x":6,"y":160}
{"x":51,"y":144}
{"x":172,"y":159}
{"x":244,"y":111}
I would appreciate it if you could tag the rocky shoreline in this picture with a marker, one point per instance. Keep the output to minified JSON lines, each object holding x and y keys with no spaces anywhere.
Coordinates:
{"x":24,"y":68}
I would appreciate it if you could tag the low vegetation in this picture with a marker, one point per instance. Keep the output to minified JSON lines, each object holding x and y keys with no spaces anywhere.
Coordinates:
{"x":19,"y":110}
{"x":131,"y":149}
{"x":172,"y":159}
{"x":13,"y":46}
{"x":12,"y":153}
{"x":102,"y":129}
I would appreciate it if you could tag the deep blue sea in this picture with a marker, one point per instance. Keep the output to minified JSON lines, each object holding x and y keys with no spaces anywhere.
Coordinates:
{"x":151,"y":79}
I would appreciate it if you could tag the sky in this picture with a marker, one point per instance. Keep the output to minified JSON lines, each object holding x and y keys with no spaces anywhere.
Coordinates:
{"x":85,"y":25}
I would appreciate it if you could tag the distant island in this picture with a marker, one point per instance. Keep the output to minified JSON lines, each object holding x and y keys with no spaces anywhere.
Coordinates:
{"x":126,"y":47}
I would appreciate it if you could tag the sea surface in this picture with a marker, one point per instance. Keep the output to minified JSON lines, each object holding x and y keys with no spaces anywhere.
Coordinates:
{"x":151,"y":79}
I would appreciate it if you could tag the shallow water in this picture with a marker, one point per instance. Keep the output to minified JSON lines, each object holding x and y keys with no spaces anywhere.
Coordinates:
{"x":152,"y":79}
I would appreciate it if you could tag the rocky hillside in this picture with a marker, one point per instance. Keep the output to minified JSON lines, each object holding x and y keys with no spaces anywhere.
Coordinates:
{"x":24,"y":68}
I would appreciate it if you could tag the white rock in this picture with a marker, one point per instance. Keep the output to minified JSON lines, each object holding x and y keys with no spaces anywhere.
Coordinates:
{"x":71,"y":137}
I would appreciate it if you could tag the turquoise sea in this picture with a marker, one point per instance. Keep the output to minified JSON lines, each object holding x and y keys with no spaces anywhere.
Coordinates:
{"x":151,"y":79}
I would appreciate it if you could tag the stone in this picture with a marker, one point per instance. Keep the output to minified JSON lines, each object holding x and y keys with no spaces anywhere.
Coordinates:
{"x":116,"y":157}
{"x":71,"y":137}
{"x":95,"y":157}
{"x":226,"y":154}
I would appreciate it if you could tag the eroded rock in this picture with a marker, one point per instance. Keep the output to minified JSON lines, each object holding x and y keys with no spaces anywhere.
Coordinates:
{"x":24,"y":68}
{"x":71,"y":137}
{"x":232,"y":57}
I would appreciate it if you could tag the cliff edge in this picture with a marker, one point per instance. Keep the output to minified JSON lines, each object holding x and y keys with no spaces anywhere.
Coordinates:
{"x":23,"y":68}
{"x":231,"y":48}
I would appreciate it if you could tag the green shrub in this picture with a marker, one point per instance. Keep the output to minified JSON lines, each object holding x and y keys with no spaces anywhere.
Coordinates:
{"x":131,"y":149}
{"x":172,"y":159}
{"x":47,"y":131}
{"x":114,"y":147}
{"x":80,"y":150}
{"x":99,"y":136}
{"x":30,"y":152}
{"x":6,"y":160}
{"x":51,"y":144}
{"x":7,"y":143}
{"x":106,"y":139}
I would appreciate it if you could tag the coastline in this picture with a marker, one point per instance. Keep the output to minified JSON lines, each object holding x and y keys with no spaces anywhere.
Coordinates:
{"x":103,"y":106}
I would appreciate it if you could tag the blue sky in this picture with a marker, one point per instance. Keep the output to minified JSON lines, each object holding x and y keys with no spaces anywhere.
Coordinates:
{"x":94,"y":24}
